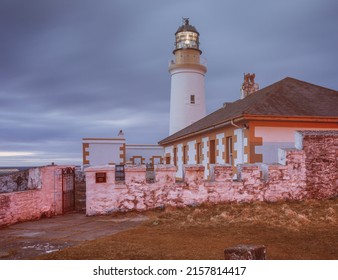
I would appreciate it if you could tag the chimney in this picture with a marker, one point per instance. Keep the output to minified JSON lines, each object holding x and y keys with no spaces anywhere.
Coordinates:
{"x":249,"y":86}
{"x":121,"y":134}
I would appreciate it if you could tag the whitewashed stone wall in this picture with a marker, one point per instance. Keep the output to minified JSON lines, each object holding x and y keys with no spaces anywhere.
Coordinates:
{"x":296,"y":177}
{"x":44,"y":199}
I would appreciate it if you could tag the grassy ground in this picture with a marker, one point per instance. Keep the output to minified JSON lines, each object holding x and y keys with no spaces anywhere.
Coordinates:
{"x":290,"y":230}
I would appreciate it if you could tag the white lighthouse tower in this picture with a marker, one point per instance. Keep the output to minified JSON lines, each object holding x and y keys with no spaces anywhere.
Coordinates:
{"x":187,"y":97}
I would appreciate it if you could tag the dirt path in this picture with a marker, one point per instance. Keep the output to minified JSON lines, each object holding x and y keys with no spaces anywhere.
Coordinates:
{"x":30,"y":239}
{"x":289,"y":230}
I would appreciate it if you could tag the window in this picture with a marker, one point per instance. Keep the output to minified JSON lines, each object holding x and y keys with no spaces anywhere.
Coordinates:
{"x":175,"y":156}
{"x":228,"y":150}
{"x":185,"y":154}
{"x":212,"y":152}
{"x":192,"y":99}
{"x":199,"y":153}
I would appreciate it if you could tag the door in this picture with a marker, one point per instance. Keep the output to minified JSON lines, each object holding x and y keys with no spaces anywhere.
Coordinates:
{"x":68,"y":189}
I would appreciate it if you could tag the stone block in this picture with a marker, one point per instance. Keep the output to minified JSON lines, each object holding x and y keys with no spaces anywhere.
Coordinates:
{"x":245,"y":252}
{"x":135,"y":174}
{"x":248,"y":171}
{"x":221,"y":172}
{"x":193,"y":174}
{"x":165,"y":173}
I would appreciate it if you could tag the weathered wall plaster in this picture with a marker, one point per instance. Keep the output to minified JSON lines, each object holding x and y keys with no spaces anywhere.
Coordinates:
{"x":17,"y":181}
{"x":299,"y":175}
{"x":43,"y":199}
{"x":321,"y":149}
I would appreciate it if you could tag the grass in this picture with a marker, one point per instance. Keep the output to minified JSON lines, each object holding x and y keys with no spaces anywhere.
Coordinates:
{"x":290,"y":230}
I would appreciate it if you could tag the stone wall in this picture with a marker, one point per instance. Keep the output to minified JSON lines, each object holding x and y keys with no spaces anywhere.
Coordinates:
{"x":309,"y":173}
{"x":14,"y":182}
{"x":321,"y":149}
{"x":42,"y":199}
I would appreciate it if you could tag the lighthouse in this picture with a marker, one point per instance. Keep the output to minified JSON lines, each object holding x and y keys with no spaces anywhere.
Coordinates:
{"x":187,"y":96}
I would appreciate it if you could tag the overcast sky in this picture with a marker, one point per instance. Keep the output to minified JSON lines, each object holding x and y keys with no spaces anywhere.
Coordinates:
{"x":71,"y":69}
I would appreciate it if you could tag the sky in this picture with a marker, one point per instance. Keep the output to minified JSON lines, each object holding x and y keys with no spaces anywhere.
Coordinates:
{"x":71,"y":69}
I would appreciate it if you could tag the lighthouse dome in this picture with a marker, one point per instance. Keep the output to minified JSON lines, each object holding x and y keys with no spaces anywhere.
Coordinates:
{"x":186,"y":27}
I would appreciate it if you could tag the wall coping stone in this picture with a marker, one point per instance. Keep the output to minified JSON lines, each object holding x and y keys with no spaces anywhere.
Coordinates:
{"x":301,"y":134}
{"x":100,"y":168}
{"x":318,"y":133}
{"x":135,"y":168}
{"x":165,"y":167}
{"x":193,"y":167}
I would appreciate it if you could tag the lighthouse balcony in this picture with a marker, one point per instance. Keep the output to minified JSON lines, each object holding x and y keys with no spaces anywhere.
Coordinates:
{"x":202,"y":61}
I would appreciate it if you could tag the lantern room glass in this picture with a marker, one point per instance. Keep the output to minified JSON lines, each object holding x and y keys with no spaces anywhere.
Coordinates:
{"x":187,"y":39}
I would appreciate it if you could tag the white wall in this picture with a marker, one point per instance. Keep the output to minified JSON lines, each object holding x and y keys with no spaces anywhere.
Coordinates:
{"x":274,"y":138}
{"x":179,"y":160}
{"x":205,"y":150}
{"x":192,"y":152}
{"x":186,"y":82}
{"x":104,"y":153}
{"x":220,"y":148}
{"x":146,"y":151}
{"x":239,"y":146}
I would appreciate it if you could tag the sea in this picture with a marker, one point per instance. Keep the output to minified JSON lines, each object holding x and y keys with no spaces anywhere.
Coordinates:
{"x":6,"y":170}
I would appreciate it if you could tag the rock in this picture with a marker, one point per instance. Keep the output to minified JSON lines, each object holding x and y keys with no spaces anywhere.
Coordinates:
{"x":245,"y":252}
{"x":4,"y":254}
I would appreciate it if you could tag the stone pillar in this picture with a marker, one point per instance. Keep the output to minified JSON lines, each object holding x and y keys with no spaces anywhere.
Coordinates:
{"x":135,"y":174}
{"x":249,"y":173}
{"x":245,"y":252}
{"x":253,"y":186}
{"x":91,"y":172}
{"x":100,"y":182}
{"x":165,"y":173}
{"x":321,"y":152}
{"x":221,"y":172}
{"x":193,"y":174}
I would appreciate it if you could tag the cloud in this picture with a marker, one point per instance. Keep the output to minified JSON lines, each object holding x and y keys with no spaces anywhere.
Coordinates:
{"x":15,"y":154}
{"x":75,"y":69}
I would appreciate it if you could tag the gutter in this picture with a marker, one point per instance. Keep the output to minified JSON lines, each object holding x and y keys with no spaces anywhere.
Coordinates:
{"x":233,"y":124}
{"x":326,"y":119}
{"x":201,"y":131}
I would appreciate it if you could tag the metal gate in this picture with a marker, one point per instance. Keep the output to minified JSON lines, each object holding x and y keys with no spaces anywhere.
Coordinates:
{"x":119,"y":173}
{"x":68,"y":189}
